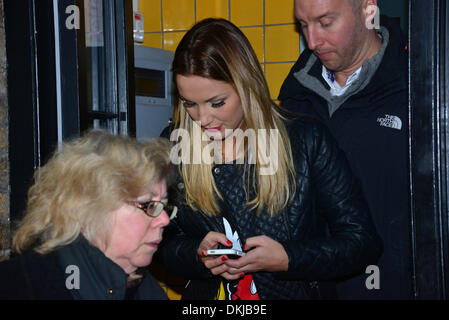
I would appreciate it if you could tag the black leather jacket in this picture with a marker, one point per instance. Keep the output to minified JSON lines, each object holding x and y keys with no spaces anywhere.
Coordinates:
{"x":327,"y":231}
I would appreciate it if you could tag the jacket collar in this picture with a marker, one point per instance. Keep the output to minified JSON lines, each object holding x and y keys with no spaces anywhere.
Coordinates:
{"x":100,"y":277}
{"x":369,"y":68}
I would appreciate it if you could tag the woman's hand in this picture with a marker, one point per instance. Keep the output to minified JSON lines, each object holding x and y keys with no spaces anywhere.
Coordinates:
{"x":266,"y":255}
{"x":213,"y":263}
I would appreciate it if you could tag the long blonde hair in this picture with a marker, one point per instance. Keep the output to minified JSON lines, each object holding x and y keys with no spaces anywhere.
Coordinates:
{"x":218,"y":50}
{"x":83,"y":182}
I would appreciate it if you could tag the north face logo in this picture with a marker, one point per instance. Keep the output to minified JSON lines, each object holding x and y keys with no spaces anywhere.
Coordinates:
{"x":388,"y":121}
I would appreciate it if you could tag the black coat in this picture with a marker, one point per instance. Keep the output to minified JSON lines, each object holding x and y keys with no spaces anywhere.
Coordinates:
{"x":366,"y":127}
{"x":326,"y":231}
{"x":34,"y":276}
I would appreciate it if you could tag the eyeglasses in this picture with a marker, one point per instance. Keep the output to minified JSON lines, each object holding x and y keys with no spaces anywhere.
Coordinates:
{"x":153,"y":208}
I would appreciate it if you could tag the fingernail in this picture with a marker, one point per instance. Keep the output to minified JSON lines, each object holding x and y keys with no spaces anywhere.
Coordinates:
{"x":224,"y":258}
{"x":244,"y":247}
{"x":204,"y":253}
{"x":229,"y":242}
{"x":241,"y":275}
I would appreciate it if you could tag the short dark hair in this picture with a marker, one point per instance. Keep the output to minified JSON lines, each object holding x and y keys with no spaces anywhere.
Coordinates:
{"x":355,"y":4}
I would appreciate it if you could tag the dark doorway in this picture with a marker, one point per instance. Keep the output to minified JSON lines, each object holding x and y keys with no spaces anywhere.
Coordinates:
{"x":48,"y":80}
{"x":429,"y":143}
{"x":397,"y":9}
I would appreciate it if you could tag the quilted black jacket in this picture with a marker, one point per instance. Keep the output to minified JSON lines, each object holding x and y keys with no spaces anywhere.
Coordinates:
{"x":327,"y":230}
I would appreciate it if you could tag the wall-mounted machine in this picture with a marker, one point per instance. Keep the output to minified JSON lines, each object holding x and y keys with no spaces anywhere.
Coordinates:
{"x":153,"y":85}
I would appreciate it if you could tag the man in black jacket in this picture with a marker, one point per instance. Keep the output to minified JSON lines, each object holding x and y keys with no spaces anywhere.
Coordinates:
{"x":354,"y":78}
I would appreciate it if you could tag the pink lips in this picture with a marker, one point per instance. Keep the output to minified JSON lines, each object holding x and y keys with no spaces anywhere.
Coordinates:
{"x":214,"y":129}
{"x":154,"y":244}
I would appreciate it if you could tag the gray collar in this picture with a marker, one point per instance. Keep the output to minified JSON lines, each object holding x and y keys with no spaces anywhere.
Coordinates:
{"x":369,"y":68}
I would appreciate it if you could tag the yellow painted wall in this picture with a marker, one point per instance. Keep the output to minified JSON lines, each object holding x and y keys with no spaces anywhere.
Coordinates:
{"x":268,"y":24}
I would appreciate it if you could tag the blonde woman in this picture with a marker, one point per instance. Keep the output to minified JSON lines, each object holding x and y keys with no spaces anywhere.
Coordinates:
{"x":95,"y":217}
{"x":253,"y":180}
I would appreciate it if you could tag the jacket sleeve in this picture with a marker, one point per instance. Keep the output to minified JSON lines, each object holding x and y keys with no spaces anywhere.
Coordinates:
{"x":353,"y":242}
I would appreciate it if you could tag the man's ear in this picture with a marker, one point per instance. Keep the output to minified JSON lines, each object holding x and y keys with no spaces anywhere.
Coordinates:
{"x":366,"y":4}
{"x":371,"y":14}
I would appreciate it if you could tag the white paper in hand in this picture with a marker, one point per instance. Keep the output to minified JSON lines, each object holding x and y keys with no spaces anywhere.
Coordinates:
{"x":232,"y":236}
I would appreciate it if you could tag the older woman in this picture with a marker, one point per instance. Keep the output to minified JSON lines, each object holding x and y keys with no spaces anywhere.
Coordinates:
{"x":94,"y":219}
{"x":287,"y":198}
